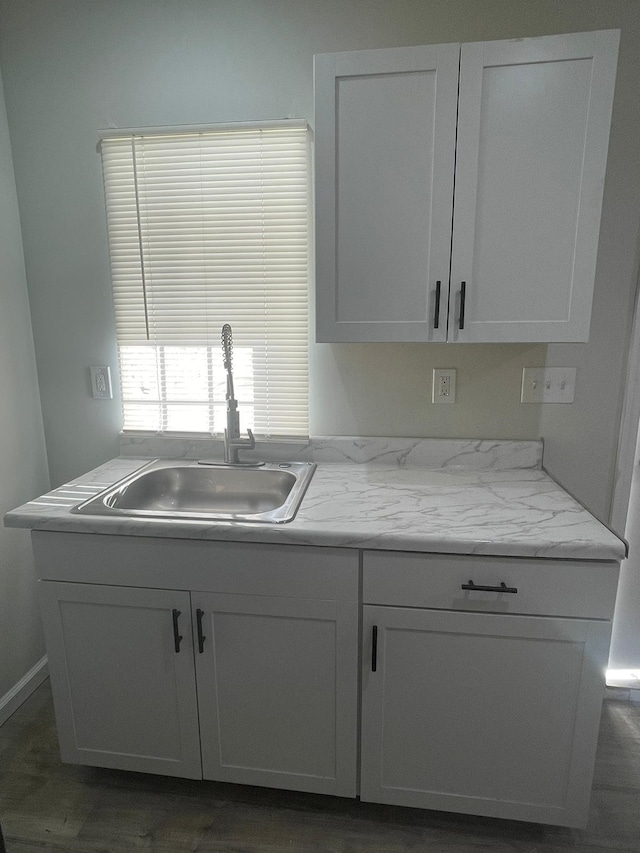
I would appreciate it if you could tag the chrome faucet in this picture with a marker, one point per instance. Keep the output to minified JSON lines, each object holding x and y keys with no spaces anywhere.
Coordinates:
{"x":232,"y":440}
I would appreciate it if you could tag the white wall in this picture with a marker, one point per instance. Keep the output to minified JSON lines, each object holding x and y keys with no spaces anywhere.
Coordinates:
{"x":625,"y":637}
{"x":580,"y":440}
{"x":74,"y":66}
{"x":23,"y":464}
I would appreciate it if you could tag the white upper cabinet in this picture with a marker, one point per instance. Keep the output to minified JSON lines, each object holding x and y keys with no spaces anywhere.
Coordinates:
{"x":520,"y":129}
{"x":385,"y":148}
{"x":533,"y":133}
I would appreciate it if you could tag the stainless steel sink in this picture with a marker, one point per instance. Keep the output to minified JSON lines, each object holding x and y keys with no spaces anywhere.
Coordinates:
{"x":268,"y":493}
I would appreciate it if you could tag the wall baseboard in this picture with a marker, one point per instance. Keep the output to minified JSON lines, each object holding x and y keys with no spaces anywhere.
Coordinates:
{"x":622,"y":694}
{"x":21,"y":691}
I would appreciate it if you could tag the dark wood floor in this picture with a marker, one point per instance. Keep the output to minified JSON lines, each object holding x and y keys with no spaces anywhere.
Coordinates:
{"x":49,"y":806}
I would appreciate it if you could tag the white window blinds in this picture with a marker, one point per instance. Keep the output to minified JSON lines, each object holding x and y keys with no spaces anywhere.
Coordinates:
{"x":206,"y":228}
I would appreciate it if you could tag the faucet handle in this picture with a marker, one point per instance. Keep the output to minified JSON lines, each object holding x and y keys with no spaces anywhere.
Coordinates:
{"x":233,"y":445}
{"x":247,"y":443}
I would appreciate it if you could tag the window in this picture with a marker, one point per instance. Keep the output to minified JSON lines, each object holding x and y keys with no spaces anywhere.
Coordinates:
{"x":209,"y":227}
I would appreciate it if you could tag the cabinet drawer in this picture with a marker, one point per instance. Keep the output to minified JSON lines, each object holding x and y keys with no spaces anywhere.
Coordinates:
{"x":584,"y":589}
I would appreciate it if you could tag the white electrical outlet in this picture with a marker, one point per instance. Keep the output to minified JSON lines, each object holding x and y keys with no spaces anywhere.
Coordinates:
{"x":101,"y":383}
{"x":548,"y":384}
{"x":444,"y":385}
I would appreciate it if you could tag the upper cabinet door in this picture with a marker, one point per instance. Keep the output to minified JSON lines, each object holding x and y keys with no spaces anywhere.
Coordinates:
{"x":385,"y":144}
{"x":533,"y":132}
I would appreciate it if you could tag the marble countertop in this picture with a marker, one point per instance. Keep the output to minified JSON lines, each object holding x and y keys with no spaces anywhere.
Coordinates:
{"x":384,"y":502}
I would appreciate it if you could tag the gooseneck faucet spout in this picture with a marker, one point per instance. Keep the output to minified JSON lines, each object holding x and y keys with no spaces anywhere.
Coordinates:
{"x":232,"y":439}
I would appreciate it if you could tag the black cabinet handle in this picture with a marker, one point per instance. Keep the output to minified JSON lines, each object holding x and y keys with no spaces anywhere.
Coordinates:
{"x":374,"y":649}
{"x":177,"y":637}
{"x":201,"y":636}
{"x":436,"y":311}
{"x":463,"y":293}
{"x":502,"y":588}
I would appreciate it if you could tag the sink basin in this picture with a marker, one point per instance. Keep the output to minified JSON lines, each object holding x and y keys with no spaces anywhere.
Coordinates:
{"x":268,"y":493}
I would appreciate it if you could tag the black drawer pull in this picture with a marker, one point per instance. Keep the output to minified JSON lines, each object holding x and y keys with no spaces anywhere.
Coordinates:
{"x":502,"y":588}
{"x":463,"y":295}
{"x":436,"y":313}
{"x":201,"y":636}
{"x":374,"y":649}
{"x":177,"y":637}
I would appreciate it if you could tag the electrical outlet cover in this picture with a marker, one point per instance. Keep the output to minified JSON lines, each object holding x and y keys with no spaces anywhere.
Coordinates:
{"x":101,"y":383}
{"x":443,"y":389}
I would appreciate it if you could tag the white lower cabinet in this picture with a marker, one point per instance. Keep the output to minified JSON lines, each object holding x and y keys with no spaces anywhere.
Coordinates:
{"x":473,"y":700}
{"x":482,"y":713}
{"x":482,"y":678}
{"x":276,"y":691}
{"x":124,"y":689}
{"x":229,"y":683}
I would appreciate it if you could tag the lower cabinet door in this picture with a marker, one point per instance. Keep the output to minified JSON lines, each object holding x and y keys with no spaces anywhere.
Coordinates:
{"x":481,"y":713}
{"x":122,"y":675}
{"x":277,"y":691}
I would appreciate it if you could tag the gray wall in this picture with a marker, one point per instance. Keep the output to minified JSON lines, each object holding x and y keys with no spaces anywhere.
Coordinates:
{"x":23,"y":464}
{"x":74,"y":66}
{"x":625,"y":637}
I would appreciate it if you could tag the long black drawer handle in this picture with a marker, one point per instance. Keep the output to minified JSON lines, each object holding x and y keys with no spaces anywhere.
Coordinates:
{"x":502,"y":588}
{"x":463,"y":294}
{"x":436,"y":312}
{"x":374,"y":649}
{"x":201,"y":636}
{"x":177,"y":637}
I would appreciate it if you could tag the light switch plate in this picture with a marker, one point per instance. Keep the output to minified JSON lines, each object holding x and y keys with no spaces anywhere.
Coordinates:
{"x":101,"y":383}
{"x":548,"y":384}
